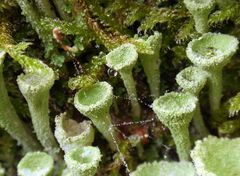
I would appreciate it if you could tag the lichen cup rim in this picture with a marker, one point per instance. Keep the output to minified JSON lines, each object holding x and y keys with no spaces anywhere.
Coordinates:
{"x":40,"y":160}
{"x":124,"y":56}
{"x":196,"y":5}
{"x":212,"y":41}
{"x":103,"y":98}
{"x":174,"y":104}
{"x":73,"y":158}
{"x":85,"y":127}
{"x":34,"y":81}
{"x":192,"y":79}
{"x":223,"y":150}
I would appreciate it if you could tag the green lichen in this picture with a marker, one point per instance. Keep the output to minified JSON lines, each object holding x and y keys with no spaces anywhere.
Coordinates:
{"x":151,"y":63}
{"x":212,"y":52}
{"x":175,"y":110}
{"x":164,"y":168}
{"x":35,"y":163}
{"x":123,"y":59}
{"x":97,"y":108}
{"x":192,"y":80}
{"x":200,"y":10}
{"x":212,"y":150}
{"x":9,"y":119}
{"x":83,"y":161}
{"x":71,"y":134}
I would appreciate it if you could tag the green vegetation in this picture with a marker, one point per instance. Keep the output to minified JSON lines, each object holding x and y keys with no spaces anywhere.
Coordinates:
{"x":119,"y":87}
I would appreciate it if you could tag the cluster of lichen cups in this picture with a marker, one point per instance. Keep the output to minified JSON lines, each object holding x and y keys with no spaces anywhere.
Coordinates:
{"x":209,"y":54}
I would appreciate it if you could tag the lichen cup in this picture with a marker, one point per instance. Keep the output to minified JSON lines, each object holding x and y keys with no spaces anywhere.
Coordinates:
{"x":212,"y":52}
{"x":193,"y":79}
{"x":83,"y":161}
{"x":71,"y":134}
{"x":35,"y":85}
{"x":214,"y":156}
{"x":164,"y":168}
{"x":123,"y":59}
{"x":175,"y":110}
{"x":200,"y":10}
{"x":94,"y":102}
{"x":35,"y":163}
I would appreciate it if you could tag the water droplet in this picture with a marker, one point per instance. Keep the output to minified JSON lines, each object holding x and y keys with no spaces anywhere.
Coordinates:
{"x":97,"y":46}
{"x":112,"y":73}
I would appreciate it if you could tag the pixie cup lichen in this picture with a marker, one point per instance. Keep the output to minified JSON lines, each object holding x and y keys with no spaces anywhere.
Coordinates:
{"x":175,"y":111}
{"x":200,"y":10}
{"x":123,"y":59}
{"x":36,"y":164}
{"x":94,"y":102}
{"x":217,"y":156}
{"x":83,"y":161}
{"x":151,"y":63}
{"x":192,"y":80}
{"x":71,"y":134}
{"x":9,"y":119}
{"x":35,"y":85}
{"x":212,"y":52}
{"x":164,"y":168}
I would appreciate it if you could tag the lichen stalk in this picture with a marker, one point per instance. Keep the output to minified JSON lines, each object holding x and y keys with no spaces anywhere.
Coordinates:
{"x":123,"y":59}
{"x":182,"y":140}
{"x":199,"y":123}
{"x":200,"y":11}
{"x":128,"y":81}
{"x":151,"y":64}
{"x":192,"y":80}
{"x":215,"y":90}
{"x":39,"y":109}
{"x":35,"y":86}
{"x":201,"y":23}
{"x":9,"y":119}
